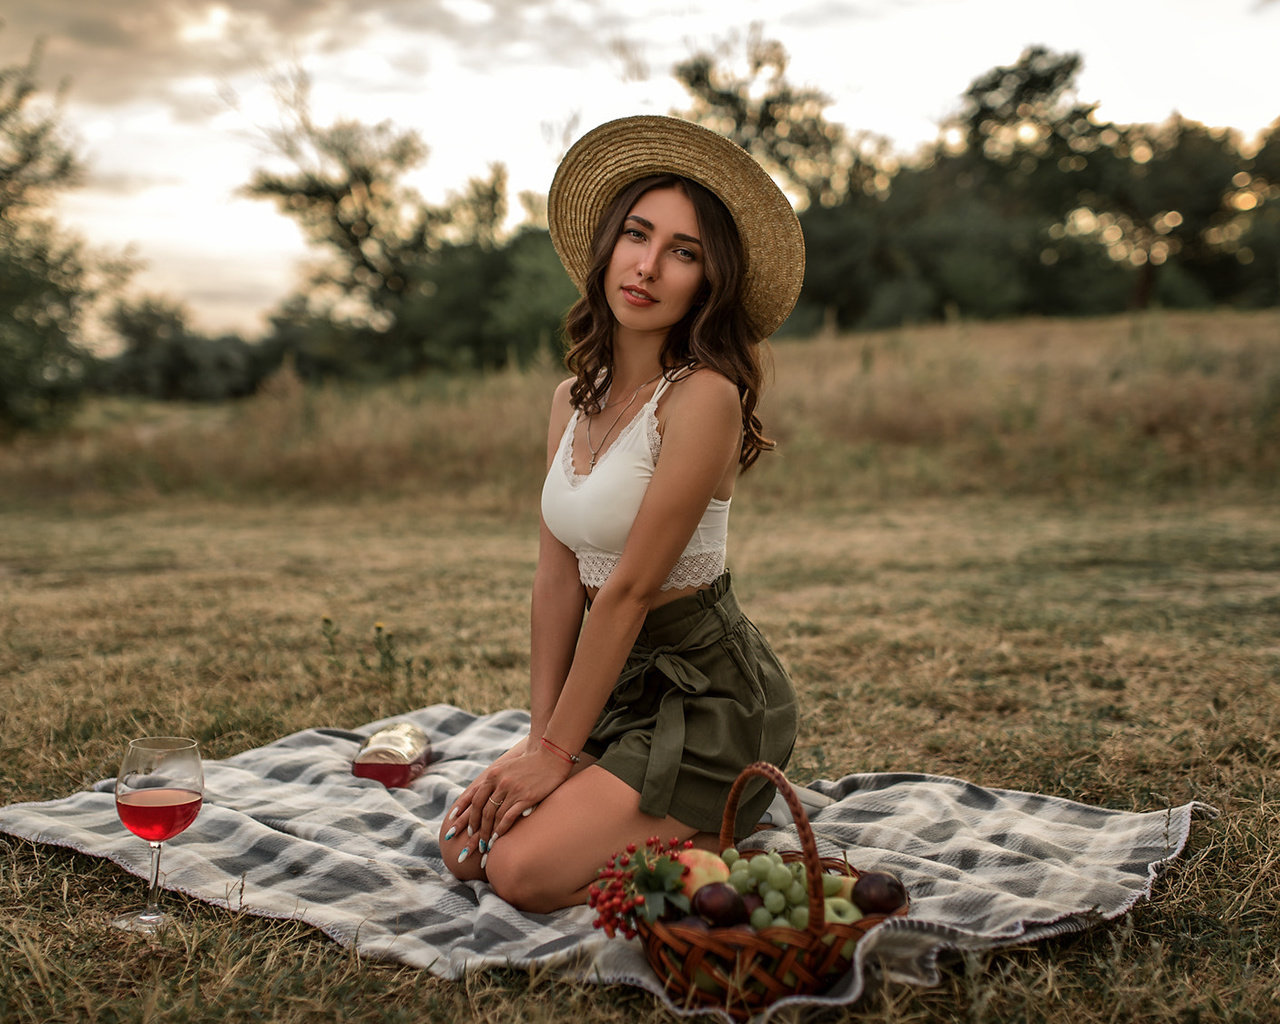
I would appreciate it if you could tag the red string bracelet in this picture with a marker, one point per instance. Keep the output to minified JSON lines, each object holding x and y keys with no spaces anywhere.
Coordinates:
{"x":559,"y":751}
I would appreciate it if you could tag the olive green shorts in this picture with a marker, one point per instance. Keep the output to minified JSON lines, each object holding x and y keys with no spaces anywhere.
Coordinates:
{"x":702,"y":696}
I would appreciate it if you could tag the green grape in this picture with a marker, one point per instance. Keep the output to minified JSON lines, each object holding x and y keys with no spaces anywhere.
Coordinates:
{"x":797,"y":869}
{"x":761,"y":918}
{"x":799,"y":918}
{"x":830,"y":885}
{"x":731,"y":856}
{"x":775,"y":857}
{"x":782,"y":921}
{"x":760,"y":868}
{"x":740,"y":865}
{"x":780,"y":877}
{"x":742,"y":881}
{"x":797,"y":895}
{"x":775,"y":901}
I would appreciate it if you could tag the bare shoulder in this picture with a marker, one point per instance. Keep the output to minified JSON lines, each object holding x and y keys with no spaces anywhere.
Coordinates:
{"x":561,"y":398}
{"x":561,"y":411}
{"x":703,"y":388}
{"x":700,"y":396}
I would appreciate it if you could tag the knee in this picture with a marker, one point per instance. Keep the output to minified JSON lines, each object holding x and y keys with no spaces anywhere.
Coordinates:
{"x":468,"y":868}
{"x":526,"y":882}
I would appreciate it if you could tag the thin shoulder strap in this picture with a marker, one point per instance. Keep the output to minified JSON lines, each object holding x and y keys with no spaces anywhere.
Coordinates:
{"x":663,"y":384}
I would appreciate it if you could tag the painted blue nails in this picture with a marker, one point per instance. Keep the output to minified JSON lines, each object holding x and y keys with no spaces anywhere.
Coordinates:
{"x":451,"y":833}
{"x":463,"y":855}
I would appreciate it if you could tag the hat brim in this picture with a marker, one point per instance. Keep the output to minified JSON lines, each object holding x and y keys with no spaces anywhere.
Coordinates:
{"x":608,"y":158}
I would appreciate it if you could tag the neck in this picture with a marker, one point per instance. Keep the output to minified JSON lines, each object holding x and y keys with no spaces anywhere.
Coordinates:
{"x":636,"y":358}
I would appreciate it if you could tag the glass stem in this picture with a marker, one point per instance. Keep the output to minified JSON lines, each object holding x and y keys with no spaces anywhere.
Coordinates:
{"x":153,"y":894}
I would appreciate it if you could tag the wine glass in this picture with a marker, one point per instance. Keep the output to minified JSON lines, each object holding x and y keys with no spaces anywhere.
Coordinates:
{"x":158,"y":794}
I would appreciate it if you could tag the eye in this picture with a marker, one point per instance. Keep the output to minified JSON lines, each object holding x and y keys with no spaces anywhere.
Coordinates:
{"x":687,"y":254}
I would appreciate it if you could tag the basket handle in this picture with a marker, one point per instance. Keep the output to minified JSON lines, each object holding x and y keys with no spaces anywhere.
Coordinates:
{"x":808,"y":845}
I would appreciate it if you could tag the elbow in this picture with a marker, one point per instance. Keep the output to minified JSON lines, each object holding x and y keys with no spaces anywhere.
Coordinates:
{"x":625,"y":595}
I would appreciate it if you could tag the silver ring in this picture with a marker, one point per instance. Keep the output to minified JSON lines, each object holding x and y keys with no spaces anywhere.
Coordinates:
{"x":496,"y":803}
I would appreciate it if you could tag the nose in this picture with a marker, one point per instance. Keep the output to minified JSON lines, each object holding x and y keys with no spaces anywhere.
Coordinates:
{"x":647,"y":265}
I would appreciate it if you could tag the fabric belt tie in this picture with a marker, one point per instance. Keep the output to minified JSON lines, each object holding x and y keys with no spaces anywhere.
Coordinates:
{"x":667,"y":748}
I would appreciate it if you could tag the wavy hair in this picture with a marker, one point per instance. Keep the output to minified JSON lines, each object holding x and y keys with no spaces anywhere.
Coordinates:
{"x":716,"y":332}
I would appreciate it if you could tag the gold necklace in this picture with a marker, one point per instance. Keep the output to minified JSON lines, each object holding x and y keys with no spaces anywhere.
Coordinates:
{"x":595,"y":451}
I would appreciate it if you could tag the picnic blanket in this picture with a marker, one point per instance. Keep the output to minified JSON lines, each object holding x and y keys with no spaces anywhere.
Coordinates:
{"x":287,"y":831}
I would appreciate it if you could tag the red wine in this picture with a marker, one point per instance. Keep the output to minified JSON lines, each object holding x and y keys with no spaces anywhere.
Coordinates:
{"x":158,"y":814}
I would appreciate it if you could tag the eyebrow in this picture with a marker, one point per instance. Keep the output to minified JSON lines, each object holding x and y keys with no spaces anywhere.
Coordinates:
{"x":648,"y":226}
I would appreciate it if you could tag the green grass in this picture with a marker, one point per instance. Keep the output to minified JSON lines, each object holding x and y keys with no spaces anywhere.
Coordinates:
{"x":1102,"y":639}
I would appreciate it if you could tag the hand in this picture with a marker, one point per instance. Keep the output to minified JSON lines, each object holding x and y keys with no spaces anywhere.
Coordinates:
{"x":507,"y":790}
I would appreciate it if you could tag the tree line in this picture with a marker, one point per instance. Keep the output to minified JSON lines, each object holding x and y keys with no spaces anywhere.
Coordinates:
{"x":1027,"y":203}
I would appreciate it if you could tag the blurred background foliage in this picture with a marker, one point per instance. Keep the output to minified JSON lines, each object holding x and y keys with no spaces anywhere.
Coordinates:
{"x":1026,"y":204}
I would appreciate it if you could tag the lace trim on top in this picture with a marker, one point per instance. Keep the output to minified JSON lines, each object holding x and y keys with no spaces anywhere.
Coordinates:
{"x":692,"y":569}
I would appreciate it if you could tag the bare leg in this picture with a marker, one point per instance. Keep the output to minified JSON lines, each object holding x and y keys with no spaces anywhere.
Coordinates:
{"x":548,"y":859}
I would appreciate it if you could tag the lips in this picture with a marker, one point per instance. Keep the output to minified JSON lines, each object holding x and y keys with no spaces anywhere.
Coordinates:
{"x":637,"y":296}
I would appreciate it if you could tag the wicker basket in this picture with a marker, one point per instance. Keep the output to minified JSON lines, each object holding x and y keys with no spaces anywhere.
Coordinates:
{"x":741,"y":970}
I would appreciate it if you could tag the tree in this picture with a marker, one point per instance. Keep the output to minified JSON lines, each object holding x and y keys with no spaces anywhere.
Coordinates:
{"x":35,"y":159}
{"x":778,"y":123}
{"x":48,"y":280}
{"x":163,"y":358}
{"x":345,"y":191}
{"x":408,"y":284}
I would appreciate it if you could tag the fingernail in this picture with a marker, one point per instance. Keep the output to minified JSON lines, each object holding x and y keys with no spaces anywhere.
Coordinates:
{"x":483,"y":861}
{"x":526,"y":812}
{"x":453,"y":813}
{"x":470,"y":831}
{"x":493,"y":839}
{"x":451,"y":833}
{"x":483,"y":846}
{"x":463,"y":855}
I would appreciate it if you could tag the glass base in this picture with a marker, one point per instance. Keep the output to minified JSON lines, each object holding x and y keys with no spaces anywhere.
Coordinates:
{"x":145,"y":922}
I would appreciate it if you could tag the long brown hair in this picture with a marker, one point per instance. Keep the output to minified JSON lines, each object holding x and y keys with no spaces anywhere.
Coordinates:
{"x":716,"y":332}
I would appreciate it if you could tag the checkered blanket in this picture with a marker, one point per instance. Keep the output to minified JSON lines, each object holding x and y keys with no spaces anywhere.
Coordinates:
{"x":286,"y":831}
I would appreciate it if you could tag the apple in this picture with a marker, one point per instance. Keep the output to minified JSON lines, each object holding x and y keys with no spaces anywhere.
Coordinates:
{"x":701,"y":867}
{"x":838,"y":910}
{"x":840,"y":885}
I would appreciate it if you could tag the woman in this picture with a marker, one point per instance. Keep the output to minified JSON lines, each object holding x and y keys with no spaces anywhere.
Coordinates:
{"x":687,"y":256}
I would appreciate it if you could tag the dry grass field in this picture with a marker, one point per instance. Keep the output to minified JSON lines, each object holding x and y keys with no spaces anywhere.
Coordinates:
{"x":1039,"y":556}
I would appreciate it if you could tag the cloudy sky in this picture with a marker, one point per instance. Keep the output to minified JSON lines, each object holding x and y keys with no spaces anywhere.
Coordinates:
{"x":168,"y":99}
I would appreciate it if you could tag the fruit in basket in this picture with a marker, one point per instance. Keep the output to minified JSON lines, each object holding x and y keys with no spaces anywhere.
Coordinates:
{"x":703,"y":867}
{"x":839,"y":910}
{"x":720,"y":904}
{"x":761,"y":918}
{"x":878,"y":892}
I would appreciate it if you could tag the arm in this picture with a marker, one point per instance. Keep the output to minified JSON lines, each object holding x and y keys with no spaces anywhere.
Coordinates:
{"x":558,"y":601}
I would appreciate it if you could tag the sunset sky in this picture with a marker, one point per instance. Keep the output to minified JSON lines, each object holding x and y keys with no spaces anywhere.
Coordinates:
{"x":168,"y":98}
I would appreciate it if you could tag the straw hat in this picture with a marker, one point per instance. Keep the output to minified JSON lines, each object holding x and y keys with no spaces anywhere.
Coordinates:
{"x":608,"y":158}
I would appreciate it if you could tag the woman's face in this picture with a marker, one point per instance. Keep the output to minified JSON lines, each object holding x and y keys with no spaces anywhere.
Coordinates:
{"x":657,"y":267}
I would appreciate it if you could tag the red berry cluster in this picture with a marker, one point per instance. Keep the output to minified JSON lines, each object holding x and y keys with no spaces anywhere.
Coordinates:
{"x":614,"y":895}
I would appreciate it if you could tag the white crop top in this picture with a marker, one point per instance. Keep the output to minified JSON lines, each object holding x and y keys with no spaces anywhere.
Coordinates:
{"x":592,"y":513}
